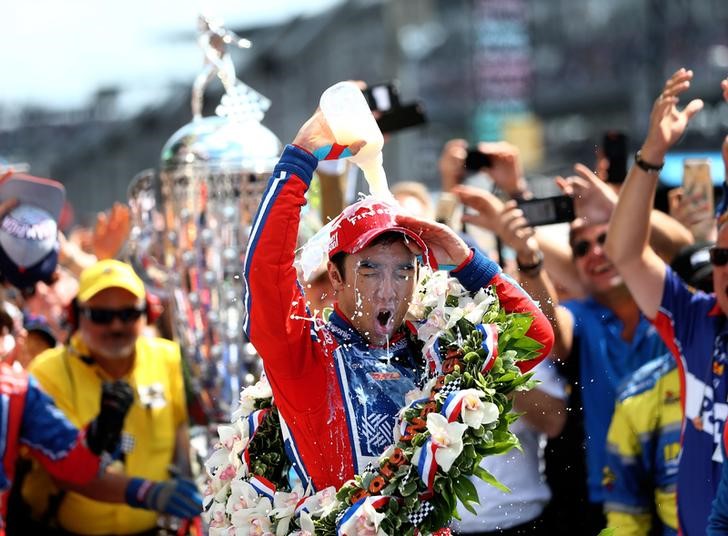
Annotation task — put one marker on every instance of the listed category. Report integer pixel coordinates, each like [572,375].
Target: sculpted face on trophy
[192,223]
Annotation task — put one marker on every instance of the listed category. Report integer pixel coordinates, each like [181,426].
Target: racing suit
[30,418]
[337,395]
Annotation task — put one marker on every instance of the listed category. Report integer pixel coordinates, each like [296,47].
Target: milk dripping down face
[376,288]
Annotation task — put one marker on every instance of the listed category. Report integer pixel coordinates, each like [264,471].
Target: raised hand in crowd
[693,211]
[506,168]
[452,163]
[594,201]
[111,231]
[629,230]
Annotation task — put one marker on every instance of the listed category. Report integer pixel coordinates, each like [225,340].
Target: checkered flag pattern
[127,442]
[369,469]
[450,387]
[419,515]
[106,460]
[406,477]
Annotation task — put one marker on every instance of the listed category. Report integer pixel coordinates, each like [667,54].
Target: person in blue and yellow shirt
[643,447]
[106,345]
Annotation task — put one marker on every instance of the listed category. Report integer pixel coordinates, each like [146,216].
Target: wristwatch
[646,166]
[531,270]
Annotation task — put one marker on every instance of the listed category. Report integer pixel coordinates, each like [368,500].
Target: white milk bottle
[350,119]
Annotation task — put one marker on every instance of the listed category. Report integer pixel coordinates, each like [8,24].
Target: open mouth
[601,268]
[384,317]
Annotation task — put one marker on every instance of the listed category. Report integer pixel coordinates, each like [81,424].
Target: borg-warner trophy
[191,227]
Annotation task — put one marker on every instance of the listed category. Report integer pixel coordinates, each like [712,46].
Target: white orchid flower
[217,517]
[322,503]
[307,527]
[222,531]
[242,497]
[365,522]
[431,328]
[475,315]
[253,521]
[249,395]
[452,315]
[474,412]
[221,489]
[284,506]
[233,440]
[417,394]
[448,437]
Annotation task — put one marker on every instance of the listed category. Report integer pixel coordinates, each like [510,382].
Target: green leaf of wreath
[466,493]
[486,476]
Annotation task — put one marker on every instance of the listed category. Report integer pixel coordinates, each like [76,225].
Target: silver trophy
[192,223]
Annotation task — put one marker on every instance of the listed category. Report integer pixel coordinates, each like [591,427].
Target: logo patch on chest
[382,376]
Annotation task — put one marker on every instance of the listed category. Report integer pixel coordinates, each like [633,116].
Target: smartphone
[614,147]
[402,117]
[548,210]
[475,160]
[697,181]
[393,115]
[446,206]
[382,97]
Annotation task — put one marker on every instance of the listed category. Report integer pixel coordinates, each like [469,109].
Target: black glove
[104,432]
[177,497]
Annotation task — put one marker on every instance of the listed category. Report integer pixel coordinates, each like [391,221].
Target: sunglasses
[582,247]
[718,256]
[102,316]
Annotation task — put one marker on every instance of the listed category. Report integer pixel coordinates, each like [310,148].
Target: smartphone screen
[382,97]
[402,117]
[614,146]
[446,206]
[548,210]
[475,160]
[697,181]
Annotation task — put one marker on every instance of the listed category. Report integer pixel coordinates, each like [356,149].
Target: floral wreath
[460,414]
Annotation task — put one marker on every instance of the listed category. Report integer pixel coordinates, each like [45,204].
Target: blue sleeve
[45,428]
[718,520]
[684,307]
[477,273]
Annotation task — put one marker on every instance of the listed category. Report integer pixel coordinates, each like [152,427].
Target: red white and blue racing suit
[337,395]
[29,417]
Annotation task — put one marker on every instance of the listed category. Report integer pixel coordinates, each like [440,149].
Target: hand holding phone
[477,160]
[697,182]
[548,210]
[502,161]
[693,204]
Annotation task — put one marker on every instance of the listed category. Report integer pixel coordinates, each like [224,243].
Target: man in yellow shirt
[106,345]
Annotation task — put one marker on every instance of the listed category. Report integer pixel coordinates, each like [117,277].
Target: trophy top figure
[240,101]
[233,139]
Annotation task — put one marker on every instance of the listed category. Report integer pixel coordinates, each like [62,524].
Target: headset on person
[152,310]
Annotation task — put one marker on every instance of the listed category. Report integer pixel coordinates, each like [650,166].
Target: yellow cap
[109,273]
